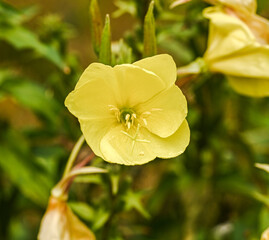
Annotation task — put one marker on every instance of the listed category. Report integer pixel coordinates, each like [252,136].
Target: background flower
[239,50]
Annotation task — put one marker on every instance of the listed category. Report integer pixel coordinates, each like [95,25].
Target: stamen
[145,121]
[127,117]
[116,111]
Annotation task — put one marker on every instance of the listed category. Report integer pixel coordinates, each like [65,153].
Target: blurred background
[212,191]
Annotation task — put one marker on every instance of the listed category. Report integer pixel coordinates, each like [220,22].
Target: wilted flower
[60,223]
[131,113]
[238,47]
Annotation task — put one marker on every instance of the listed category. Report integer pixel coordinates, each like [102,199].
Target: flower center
[127,117]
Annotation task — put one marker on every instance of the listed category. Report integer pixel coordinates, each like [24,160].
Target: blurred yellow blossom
[60,223]
[239,5]
[132,113]
[265,235]
[238,47]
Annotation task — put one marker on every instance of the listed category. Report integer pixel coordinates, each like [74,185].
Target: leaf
[133,201]
[150,45]
[21,38]
[83,210]
[105,48]
[101,217]
[33,183]
[124,7]
[258,139]
[34,97]
[96,26]
[12,16]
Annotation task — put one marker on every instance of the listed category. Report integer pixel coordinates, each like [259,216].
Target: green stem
[73,155]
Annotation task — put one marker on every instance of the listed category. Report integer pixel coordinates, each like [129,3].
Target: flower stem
[73,155]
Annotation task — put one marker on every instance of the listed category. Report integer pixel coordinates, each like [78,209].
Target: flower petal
[243,5]
[227,34]
[96,71]
[136,85]
[162,65]
[117,147]
[164,113]
[254,87]
[171,146]
[252,62]
[91,100]
[95,130]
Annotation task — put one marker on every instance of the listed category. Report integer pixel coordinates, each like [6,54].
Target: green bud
[96,26]
[105,48]
[150,46]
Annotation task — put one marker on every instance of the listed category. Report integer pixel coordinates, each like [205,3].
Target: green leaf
[150,45]
[33,184]
[101,217]
[96,26]
[105,48]
[21,38]
[34,97]
[133,201]
[124,7]
[83,210]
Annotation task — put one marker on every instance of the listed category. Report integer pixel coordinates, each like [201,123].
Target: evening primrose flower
[239,5]
[238,46]
[131,113]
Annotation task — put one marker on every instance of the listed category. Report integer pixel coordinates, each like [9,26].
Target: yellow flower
[238,46]
[60,223]
[241,5]
[131,113]
[265,235]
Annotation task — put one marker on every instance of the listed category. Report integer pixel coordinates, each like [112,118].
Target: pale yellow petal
[125,147]
[243,5]
[94,130]
[171,146]
[265,235]
[96,71]
[91,100]
[252,62]
[136,85]
[253,87]
[164,113]
[162,65]
[227,34]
